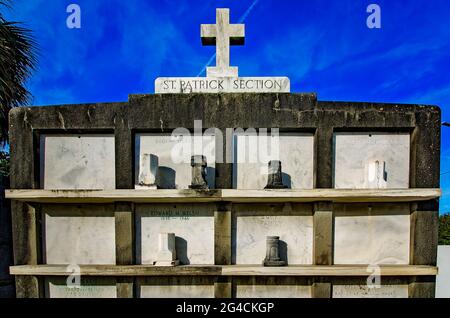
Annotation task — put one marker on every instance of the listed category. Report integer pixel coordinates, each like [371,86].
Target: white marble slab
[186,85]
[377,235]
[251,228]
[273,291]
[71,161]
[443,278]
[90,288]
[192,224]
[362,291]
[75,234]
[354,151]
[174,156]
[177,291]
[295,150]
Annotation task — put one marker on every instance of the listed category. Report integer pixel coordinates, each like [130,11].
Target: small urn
[273,252]
[274,180]
[148,171]
[167,255]
[198,164]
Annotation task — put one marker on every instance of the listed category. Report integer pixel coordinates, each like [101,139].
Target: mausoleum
[278,194]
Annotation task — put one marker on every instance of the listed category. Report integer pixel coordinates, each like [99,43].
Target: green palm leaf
[17,61]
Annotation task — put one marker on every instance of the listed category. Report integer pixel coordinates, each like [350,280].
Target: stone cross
[222,35]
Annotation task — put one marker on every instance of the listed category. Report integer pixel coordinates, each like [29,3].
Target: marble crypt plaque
[84,161]
[174,156]
[296,153]
[79,234]
[355,152]
[56,287]
[377,234]
[253,223]
[193,225]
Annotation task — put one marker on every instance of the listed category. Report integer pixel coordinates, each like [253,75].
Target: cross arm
[208,33]
[237,34]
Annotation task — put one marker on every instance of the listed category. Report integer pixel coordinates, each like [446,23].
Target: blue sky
[324,46]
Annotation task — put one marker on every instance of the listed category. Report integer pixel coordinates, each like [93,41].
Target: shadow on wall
[286,179]
[166,178]
[181,248]
[283,250]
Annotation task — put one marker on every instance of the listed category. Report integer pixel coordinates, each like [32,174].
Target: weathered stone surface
[222,35]
[79,234]
[199,168]
[193,225]
[167,254]
[354,152]
[272,287]
[90,288]
[362,291]
[273,252]
[296,152]
[177,291]
[77,161]
[274,176]
[252,224]
[176,287]
[162,113]
[372,235]
[174,155]
[148,171]
[273,291]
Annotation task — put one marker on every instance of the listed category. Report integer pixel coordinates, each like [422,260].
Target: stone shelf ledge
[117,270]
[331,270]
[227,195]
[224,270]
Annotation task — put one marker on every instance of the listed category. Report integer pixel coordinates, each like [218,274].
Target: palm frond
[5,3]
[17,62]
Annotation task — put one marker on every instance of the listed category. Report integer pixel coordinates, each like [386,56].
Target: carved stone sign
[222,85]
[222,77]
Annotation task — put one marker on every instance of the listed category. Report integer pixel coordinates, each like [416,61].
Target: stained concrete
[89,288]
[175,287]
[252,154]
[84,161]
[362,291]
[162,113]
[79,234]
[354,151]
[253,223]
[192,225]
[174,158]
[372,234]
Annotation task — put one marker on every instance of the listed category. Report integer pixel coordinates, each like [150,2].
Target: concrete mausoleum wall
[323,145]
